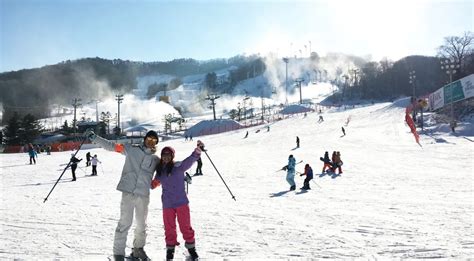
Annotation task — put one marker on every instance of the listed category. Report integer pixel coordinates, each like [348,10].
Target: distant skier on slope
[32,153]
[94,162]
[74,162]
[337,162]
[327,162]
[290,175]
[308,172]
[297,141]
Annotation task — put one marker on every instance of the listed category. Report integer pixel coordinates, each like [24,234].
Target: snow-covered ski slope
[394,200]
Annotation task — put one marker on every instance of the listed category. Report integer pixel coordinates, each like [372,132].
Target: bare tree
[457,48]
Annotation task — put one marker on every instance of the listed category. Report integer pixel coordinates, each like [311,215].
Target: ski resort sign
[453,92]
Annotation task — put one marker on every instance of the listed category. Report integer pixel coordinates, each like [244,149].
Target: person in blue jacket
[170,175]
[290,174]
[32,153]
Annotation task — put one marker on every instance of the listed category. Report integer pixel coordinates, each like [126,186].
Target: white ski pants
[130,203]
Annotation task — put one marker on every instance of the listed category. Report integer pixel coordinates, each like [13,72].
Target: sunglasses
[152,139]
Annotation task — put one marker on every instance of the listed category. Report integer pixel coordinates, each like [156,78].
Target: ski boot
[293,187]
[139,254]
[169,254]
[119,258]
[193,255]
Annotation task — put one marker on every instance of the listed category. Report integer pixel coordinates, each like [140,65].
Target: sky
[35,33]
[394,200]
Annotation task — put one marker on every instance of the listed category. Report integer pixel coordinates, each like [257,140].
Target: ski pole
[219,175]
[67,166]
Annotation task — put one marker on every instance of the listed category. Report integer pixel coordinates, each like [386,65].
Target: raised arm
[106,144]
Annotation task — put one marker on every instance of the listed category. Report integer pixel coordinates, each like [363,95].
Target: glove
[90,134]
[200,145]
[301,175]
[155,183]
[188,178]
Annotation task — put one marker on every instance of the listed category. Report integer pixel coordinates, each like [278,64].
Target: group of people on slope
[333,163]
[90,161]
[290,174]
[330,164]
[142,171]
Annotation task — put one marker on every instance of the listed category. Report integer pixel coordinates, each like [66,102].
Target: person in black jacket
[88,159]
[199,168]
[74,162]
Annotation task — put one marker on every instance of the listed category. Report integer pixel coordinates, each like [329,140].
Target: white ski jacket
[140,164]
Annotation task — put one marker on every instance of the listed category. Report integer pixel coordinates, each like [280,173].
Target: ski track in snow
[394,200]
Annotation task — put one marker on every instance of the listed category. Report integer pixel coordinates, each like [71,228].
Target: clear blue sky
[35,33]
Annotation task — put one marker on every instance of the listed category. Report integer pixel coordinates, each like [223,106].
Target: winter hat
[168,150]
[151,133]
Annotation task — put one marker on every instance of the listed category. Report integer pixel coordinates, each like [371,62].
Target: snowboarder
[246,134]
[290,175]
[321,119]
[308,172]
[74,162]
[88,159]
[94,162]
[171,176]
[297,141]
[327,161]
[343,131]
[135,184]
[199,167]
[32,153]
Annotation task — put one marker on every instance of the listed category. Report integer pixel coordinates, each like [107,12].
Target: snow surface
[394,200]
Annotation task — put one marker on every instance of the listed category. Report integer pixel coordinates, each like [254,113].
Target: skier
[246,134]
[94,165]
[88,159]
[198,168]
[74,162]
[290,175]
[171,176]
[297,141]
[327,161]
[308,172]
[32,153]
[135,184]
[343,131]
[268,128]
[320,119]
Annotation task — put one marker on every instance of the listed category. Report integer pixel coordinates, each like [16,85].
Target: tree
[65,128]
[12,129]
[30,129]
[211,81]
[457,48]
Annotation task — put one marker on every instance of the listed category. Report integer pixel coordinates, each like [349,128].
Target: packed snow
[395,199]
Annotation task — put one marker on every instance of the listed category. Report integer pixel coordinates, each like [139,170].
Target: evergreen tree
[30,129]
[12,129]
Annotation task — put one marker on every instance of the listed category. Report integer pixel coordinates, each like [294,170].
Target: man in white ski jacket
[135,184]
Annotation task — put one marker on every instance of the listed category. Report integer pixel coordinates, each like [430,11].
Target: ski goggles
[155,140]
